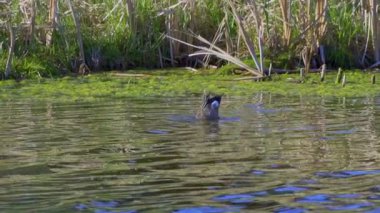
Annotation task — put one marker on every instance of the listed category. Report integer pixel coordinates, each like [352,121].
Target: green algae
[181,83]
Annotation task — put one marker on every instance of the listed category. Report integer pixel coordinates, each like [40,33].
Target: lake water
[267,154]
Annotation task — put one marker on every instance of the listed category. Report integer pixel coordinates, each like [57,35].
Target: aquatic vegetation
[180,83]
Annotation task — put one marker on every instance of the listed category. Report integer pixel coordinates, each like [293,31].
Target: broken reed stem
[344,80]
[270,70]
[218,52]
[339,76]
[302,74]
[8,66]
[323,72]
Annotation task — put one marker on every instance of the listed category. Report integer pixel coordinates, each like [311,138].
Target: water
[268,153]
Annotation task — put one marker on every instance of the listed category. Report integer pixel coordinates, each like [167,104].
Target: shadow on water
[266,154]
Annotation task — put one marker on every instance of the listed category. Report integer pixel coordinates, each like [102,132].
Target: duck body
[209,109]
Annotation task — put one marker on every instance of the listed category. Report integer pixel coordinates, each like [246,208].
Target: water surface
[268,153]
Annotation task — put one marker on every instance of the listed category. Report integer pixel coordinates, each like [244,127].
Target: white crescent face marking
[215,105]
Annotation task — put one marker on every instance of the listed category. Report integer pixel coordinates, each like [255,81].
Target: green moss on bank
[179,83]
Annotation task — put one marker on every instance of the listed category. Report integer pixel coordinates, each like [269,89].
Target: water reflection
[267,153]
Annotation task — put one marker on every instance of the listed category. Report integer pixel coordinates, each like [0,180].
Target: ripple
[158,132]
[150,154]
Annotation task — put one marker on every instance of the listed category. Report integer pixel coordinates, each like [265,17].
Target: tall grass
[123,34]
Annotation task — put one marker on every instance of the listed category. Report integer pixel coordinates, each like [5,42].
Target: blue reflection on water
[348,196]
[257,172]
[346,174]
[235,198]
[99,204]
[374,197]
[354,206]
[290,210]
[344,132]
[289,189]
[229,119]
[317,198]
[104,204]
[158,132]
[106,211]
[207,209]
[376,210]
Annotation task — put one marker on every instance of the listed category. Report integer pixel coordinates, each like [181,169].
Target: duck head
[210,107]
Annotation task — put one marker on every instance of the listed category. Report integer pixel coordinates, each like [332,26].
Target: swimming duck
[209,109]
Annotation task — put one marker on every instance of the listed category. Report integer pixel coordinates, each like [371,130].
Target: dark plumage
[209,109]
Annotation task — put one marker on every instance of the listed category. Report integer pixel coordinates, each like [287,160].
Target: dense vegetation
[169,83]
[51,37]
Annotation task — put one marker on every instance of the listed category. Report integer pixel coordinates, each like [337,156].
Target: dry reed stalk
[28,10]
[227,36]
[218,35]
[286,17]
[131,14]
[339,76]
[218,52]
[375,26]
[172,27]
[307,28]
[160,58]
[323,72]
[367,40]
[7,17]
[344,80]
[168,27]
[52,21]
[83,68]
[320,16]
[8,66]
[259,30]
[312,30]
[191,8]
[246,38]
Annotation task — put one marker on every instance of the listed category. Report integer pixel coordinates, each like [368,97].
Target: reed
[323,72]
[285,6]
[108,35]
[339,76]
[344,80]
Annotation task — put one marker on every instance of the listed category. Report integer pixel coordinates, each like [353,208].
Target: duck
[209,110]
